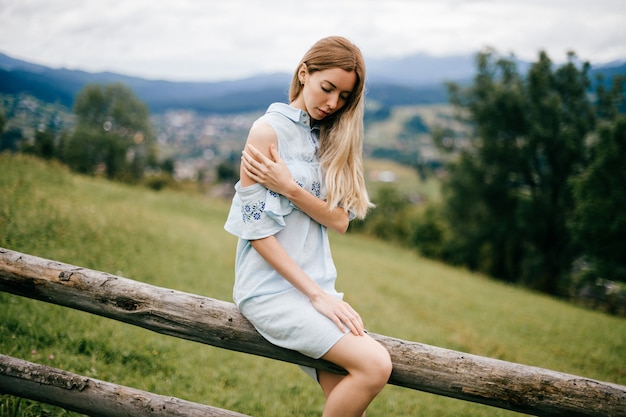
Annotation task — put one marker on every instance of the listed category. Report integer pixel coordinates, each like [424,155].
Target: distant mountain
[609,71]
[416,79]
[420,70]
[385,84]
[61,85]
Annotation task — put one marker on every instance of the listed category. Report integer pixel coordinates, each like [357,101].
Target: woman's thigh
[356,353]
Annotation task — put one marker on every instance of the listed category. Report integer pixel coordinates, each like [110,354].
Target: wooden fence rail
[91,396]
[497,383]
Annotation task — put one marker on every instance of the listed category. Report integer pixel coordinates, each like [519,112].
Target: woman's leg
[369,367]
[328,381]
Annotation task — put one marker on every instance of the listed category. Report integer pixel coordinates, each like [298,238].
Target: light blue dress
[280,313]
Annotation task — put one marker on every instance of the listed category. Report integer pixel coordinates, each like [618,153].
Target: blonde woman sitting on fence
[301,174]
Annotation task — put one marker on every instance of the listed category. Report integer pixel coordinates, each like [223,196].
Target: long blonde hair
[341,135]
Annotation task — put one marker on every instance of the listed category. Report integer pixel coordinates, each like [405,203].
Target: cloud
[188,39]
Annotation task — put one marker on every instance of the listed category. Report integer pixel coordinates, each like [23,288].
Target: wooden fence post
[497,383]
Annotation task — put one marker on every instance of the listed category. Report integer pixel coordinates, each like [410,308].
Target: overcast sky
[226,39]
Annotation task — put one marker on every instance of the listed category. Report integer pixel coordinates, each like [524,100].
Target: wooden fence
[497,383]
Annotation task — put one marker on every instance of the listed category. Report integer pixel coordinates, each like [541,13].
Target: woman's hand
[271,172]
[340,312]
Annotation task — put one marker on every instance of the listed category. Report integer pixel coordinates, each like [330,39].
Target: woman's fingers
[253,166]
[341,313]
[357,324]
[258,156]
[271,172]
[250,160]
[352,320]
[274,154]
[255,161]
[248,168]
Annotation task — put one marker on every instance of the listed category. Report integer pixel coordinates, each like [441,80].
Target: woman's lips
[323,113]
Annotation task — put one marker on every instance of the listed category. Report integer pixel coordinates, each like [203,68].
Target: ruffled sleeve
[256,212]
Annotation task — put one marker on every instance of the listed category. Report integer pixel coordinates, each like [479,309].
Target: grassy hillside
[176,240]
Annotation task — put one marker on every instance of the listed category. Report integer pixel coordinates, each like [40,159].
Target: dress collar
[297,115]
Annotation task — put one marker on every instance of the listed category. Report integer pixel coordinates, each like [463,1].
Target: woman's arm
[273,173]
[340,312]
[261,138]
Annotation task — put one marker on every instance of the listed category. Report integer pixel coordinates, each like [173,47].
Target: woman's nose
[332,101]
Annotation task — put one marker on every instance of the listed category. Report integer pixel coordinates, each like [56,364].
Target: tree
[10,140]
[599,223]
[227,172]
[2,121]
[389,219]
[507,198]
[113,133]
[43,145]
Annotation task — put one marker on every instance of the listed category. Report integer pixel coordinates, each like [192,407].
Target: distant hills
[416,79]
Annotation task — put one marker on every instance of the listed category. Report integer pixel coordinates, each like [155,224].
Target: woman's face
[324,92]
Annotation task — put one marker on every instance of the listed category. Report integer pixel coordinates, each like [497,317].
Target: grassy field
[176,240]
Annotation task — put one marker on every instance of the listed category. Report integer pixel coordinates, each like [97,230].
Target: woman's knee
[380,365]
[364,357]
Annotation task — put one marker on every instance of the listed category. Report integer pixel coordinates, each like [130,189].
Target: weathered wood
[497,383]
[91,396]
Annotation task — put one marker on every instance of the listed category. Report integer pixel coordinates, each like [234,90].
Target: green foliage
[177,241]
[227,172]
[611,101]
[387,220]
[599,221]
[9,140]
[429,234]
[508,199]
[416,125]
[33,126]
[18,407]
[113,135]
[396,219]
[44,145]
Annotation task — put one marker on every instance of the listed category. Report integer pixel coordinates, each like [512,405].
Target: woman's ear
[302,73]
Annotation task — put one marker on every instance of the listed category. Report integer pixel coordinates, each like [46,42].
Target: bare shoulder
[262,135]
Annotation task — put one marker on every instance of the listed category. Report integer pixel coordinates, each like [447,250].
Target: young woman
[301,174]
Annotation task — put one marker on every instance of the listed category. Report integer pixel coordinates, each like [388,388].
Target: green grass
[176,240]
